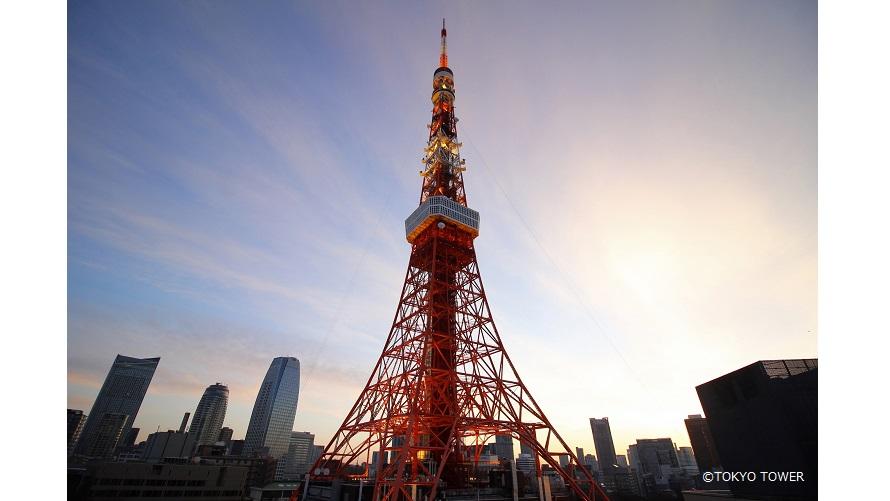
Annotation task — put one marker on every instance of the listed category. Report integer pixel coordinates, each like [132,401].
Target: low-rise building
[163,481]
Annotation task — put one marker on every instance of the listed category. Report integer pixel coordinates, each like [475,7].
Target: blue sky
[238,179]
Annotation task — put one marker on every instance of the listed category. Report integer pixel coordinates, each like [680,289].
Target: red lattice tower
[444,385]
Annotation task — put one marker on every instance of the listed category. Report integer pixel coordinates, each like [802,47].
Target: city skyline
[664,260]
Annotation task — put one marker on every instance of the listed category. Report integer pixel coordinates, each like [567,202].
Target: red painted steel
[444,384]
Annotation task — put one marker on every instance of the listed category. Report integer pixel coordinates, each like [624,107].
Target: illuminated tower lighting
[444,386]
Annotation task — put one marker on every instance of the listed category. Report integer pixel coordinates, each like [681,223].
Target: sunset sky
[239,175]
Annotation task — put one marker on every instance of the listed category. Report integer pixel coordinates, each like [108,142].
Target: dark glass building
[121,394]
[107,435]
[76,419]
[763,417]
[602,442]
[272,419]
[706,457]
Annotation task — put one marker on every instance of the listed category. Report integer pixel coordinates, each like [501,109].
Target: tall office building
[121,394]
[317,451]
[687,460]
[579,453]
[622,460]
[702,443]
[525,448]
[128,441]
[225,435]
[76,419]
[185,422]
[503,447]
[210,414]
[763,417]
[602,442]
[525,463]
[657,461]
[273,414]
[295,463]
[106,435]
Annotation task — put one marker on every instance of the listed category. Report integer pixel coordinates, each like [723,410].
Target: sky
[238,178]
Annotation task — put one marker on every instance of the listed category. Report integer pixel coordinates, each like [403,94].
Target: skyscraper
[503,447]
[225,434]
[76,419]
[121,394]
[702,443]
[185,422]
[763,417]
[273,412]
[525,448]
[210,414]
[106,435]
[602,441]
[128,441]
[687,460]
[658,461]
[295,463]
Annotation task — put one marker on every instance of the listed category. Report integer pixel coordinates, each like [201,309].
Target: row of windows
[442,206]
[158,493]
[151,481]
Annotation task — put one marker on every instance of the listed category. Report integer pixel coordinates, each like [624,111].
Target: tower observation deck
[444,385]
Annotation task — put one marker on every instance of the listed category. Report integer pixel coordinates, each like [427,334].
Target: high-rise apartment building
[210,414]
[76,419]
[272,419]
[602,441]
[121,395]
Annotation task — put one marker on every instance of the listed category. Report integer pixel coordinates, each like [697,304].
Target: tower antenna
[443,56]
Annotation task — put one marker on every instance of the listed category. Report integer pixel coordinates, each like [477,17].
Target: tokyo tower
[444,386]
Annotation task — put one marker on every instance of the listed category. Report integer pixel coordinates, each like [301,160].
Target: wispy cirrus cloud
[238,180]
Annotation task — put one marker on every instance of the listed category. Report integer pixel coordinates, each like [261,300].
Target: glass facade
[273,414]
[121,394]
[210,414]
[296,461]
[76,419]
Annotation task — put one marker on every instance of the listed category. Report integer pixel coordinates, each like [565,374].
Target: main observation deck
[437,208]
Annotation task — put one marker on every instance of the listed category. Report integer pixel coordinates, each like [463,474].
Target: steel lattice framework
[444,384]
